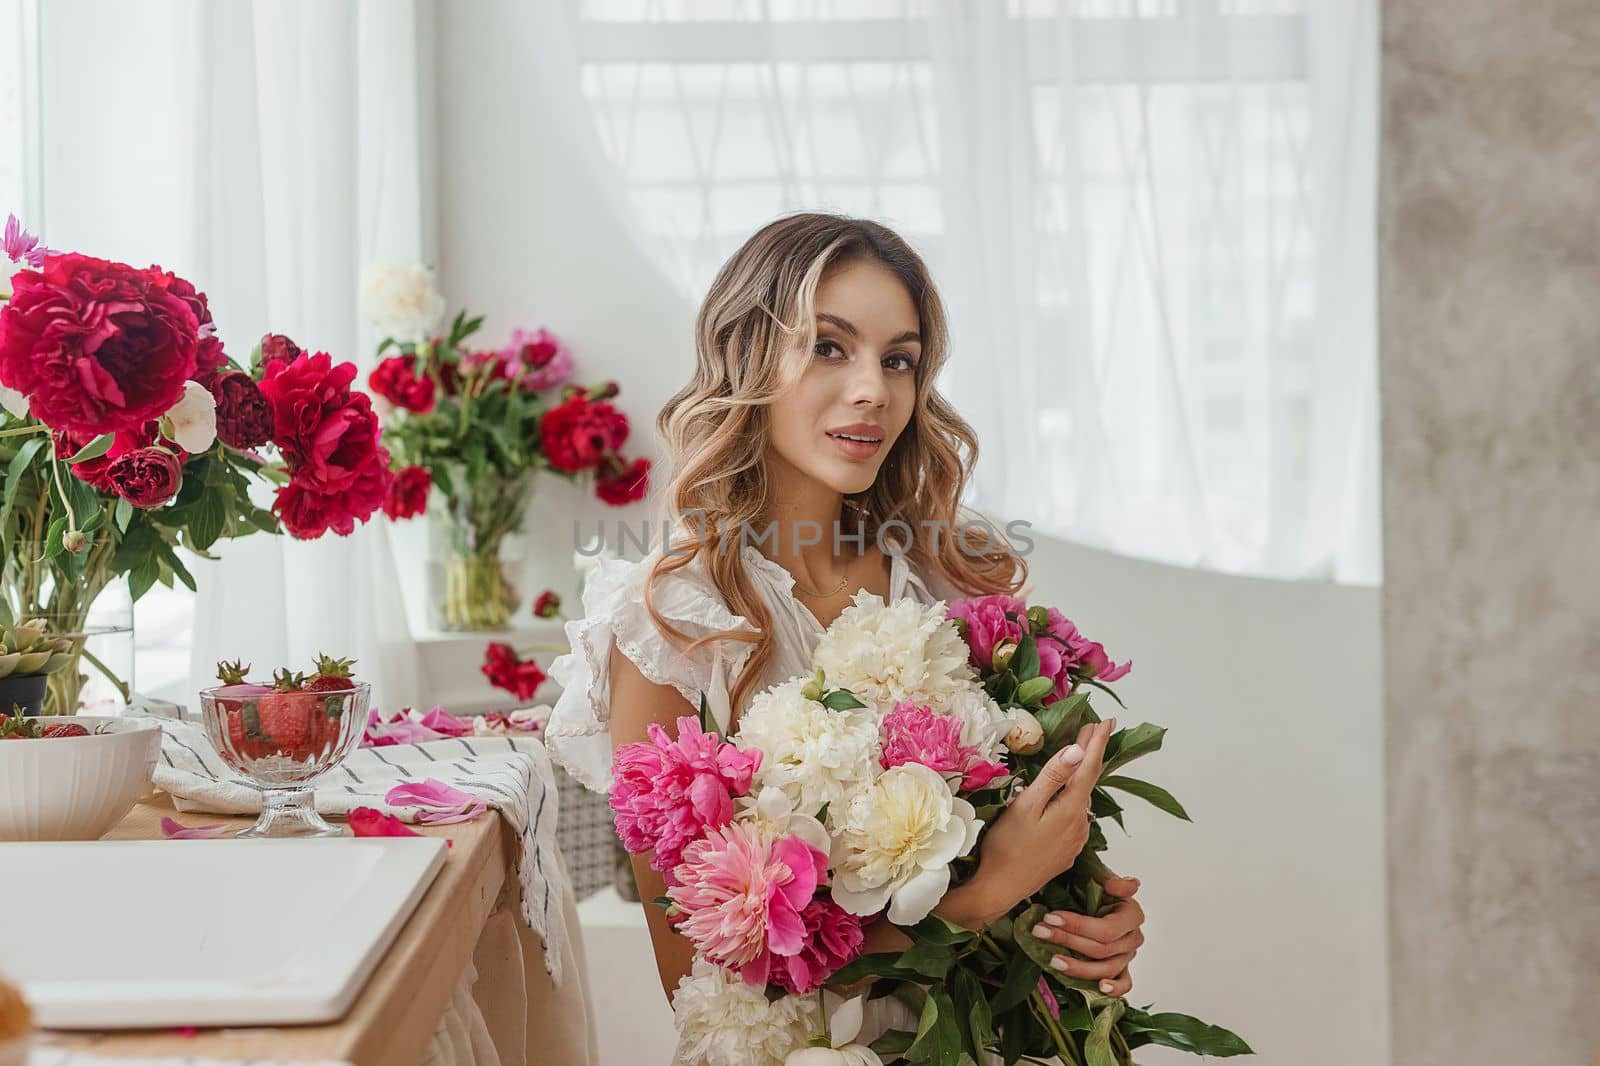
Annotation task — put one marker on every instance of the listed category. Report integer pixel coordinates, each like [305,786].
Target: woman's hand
[1038,837]
[1107,943]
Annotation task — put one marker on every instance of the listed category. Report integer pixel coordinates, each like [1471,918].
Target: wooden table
[395,1014]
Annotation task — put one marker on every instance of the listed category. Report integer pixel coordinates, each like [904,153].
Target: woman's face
[861,382]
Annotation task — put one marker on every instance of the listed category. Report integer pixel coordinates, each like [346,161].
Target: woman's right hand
[1038,837]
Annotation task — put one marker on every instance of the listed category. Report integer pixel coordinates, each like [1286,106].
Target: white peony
[14,402]
[844,1025]
[983,724]
[774,810]
[813,754]
[194,418]
[399,298]
[722,1021]
[893,843]
[885,653]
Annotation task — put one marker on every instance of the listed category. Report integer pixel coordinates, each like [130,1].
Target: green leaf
[936,930]
[1153,794]
[1025,662]
[1033,690]
[708,723]
[822,814]
[124,514]
[929,959]
[1131,744]
[1021,975]
[1101,805]
[893,1042]
[921,1048]
[1185,1034]
[143,576]
[1104,688]
[94,449]
[52,539]
[208,519]
[980,1022]
[15,475]
[878,964]
[1062,719]
[1097,1049]
[841,700]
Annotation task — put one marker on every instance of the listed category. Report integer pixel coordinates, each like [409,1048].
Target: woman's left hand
[1107,944]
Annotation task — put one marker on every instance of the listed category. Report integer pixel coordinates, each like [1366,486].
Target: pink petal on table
[442,721]
[370,822]
[176,830]
[426,817]
[439,803]
[398,728]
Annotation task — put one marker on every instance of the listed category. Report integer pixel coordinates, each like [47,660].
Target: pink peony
[666,792]
[913,734]
[1068,656]
[833,937]
[543,361]
[740,892]
[990,620]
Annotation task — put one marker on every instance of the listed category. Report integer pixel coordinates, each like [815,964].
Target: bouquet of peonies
[863,791]
[480,424]
[129,432]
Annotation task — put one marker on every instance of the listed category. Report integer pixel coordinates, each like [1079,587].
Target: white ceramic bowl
[76,788]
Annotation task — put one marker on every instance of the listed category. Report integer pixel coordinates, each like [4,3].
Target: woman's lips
[856,449]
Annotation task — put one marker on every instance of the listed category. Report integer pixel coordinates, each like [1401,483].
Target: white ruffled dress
[578,732]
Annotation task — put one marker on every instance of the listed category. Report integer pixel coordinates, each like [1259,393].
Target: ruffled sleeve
[578,733]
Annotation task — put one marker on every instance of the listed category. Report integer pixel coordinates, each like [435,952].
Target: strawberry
[16,727]
[232,674]
[283,714]
[333,675]
[66,729]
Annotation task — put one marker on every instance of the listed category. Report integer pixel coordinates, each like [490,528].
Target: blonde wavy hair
[754,337]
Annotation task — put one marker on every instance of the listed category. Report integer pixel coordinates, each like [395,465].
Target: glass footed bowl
[281,742]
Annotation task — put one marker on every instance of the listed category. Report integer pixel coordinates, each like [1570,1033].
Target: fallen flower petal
[371,822]
[437,802]
[173,829]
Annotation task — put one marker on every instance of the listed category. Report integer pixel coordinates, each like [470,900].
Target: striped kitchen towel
[512,774]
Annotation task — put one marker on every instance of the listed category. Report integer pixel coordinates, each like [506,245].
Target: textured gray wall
[1490,319]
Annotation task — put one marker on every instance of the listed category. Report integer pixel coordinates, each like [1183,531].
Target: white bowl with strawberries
[281,736]
[73,777]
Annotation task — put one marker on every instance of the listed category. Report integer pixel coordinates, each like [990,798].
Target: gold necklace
[837,589]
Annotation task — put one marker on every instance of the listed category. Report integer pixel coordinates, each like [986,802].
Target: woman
[811,425]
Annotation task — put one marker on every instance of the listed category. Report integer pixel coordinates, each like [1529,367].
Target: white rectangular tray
[130,934]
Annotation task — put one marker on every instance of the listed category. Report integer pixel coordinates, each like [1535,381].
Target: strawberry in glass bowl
[282,736]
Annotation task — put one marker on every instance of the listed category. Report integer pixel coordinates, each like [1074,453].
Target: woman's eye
[823,347]
[907,364]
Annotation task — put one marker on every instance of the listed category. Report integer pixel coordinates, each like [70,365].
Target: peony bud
[74,541]
[1026,735]
[1038,621]
[1003,651]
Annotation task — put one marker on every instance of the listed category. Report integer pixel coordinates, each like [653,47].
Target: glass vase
[78,597]
[478,554]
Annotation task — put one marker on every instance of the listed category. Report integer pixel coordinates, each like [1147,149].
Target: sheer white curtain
[264,150]
[1152,220]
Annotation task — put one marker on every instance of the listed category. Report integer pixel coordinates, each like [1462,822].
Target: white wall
[1267,914]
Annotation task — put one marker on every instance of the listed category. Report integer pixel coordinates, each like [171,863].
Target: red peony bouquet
[129,432]
[479,424]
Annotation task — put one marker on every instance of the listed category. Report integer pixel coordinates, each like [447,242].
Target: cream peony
[813,754]
[722,1021]
[399,298]
[888,652]
[194,418]
[844,1025]
[893,843]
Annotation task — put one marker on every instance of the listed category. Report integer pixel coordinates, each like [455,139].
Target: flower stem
[55,471]
[121,685]
[24,431]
